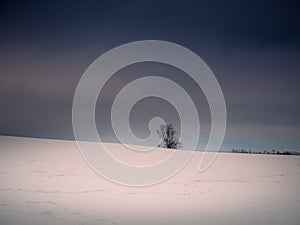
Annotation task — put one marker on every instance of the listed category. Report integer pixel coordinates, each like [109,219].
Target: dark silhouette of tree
[169,137]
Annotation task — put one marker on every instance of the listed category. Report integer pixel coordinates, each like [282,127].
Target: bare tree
[169,138]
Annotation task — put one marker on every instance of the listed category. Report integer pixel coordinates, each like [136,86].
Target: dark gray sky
[253,47]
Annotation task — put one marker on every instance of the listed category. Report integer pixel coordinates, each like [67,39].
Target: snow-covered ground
[48,182]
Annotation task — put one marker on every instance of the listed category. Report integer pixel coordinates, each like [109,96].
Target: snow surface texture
[47,182]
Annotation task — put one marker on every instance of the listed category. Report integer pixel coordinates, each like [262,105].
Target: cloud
[253,49]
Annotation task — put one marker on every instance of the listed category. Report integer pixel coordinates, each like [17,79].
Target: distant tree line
[272,152]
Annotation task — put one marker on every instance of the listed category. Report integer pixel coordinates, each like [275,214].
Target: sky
[253,48]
